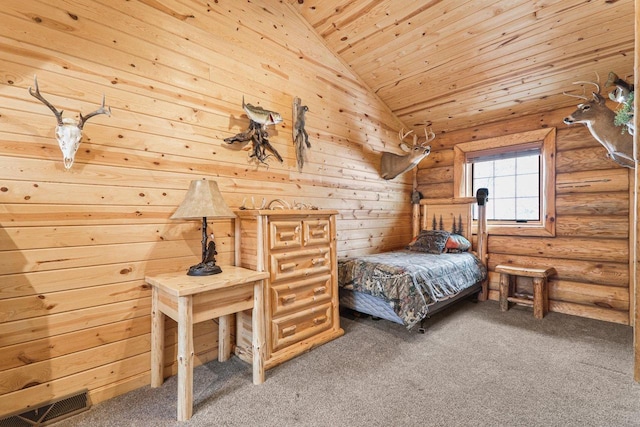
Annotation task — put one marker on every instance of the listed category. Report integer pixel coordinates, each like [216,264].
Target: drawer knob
[320,290]
[289,331]
[318,233]
[287,266]
[319,320]
[288,299]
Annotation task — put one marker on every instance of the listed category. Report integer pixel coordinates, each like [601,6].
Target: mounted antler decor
[392,165]
[259,119]
[600,120]
[300,136]
[68,131]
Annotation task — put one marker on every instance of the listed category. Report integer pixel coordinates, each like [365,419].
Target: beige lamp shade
[203,200]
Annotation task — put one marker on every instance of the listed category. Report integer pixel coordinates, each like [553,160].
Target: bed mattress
[406,283]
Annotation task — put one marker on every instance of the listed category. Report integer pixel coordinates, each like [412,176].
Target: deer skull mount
[68,131]
[599,119]
[392,165]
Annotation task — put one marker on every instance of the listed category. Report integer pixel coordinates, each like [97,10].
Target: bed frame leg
[421,328]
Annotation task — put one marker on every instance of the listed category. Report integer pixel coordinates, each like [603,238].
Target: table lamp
[203,200]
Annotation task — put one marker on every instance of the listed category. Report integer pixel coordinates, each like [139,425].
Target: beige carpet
[475,366]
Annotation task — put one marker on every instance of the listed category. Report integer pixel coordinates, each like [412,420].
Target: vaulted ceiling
[456,64]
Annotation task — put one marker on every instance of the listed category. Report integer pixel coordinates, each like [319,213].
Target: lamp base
[204,269]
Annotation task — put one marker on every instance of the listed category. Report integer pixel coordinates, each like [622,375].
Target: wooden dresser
[298,250]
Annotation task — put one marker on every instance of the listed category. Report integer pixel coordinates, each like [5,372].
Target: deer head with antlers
[600,119]
[68,131]
[392,165]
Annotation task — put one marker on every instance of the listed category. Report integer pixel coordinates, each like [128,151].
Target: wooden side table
[508,274]
[192,299]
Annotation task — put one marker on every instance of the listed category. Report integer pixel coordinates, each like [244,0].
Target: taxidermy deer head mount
[68,131]
[622,91]
[600,120]
[392,165]
[623,94]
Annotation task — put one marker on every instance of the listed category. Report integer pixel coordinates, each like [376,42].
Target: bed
[438,268]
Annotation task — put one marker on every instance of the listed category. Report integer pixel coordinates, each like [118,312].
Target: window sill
[536,229]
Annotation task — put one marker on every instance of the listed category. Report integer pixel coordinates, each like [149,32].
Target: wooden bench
[508,277]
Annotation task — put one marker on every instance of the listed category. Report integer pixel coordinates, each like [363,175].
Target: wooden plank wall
[593,197]
[75,245]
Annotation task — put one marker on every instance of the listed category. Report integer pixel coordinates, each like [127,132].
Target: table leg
[185,358]
[224,338]
[259,333]
[157,340]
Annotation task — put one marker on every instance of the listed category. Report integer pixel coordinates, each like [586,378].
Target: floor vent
[49,412]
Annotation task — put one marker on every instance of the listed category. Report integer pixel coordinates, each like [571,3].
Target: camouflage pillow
[457,243]
[430,241]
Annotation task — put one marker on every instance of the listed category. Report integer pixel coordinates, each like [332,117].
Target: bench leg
[539,294]
[504,291]
[545,297]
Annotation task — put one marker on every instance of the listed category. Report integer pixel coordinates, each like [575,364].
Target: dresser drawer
[295,327]
[285,234]
[316,232]
[296,295]
[300,263]
[297,247]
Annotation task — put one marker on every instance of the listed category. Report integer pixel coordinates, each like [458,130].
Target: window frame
[545,139]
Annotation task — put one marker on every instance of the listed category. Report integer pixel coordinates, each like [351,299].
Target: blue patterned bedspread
[410,280]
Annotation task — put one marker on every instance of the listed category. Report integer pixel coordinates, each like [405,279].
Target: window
[514,180]
[519,171]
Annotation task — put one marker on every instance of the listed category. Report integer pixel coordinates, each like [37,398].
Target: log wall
[593,197]
[76,245]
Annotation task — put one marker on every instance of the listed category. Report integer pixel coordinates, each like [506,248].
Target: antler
[430,135]
[36,94]
[100,110]
[597,85]
[402,135]
[583,96]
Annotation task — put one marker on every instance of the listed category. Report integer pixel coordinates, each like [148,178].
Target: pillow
[457,243]
[430,241]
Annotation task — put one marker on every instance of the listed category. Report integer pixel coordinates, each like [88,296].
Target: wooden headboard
[454,215]
[458,211]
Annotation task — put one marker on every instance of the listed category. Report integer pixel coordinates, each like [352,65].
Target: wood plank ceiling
[455,64]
